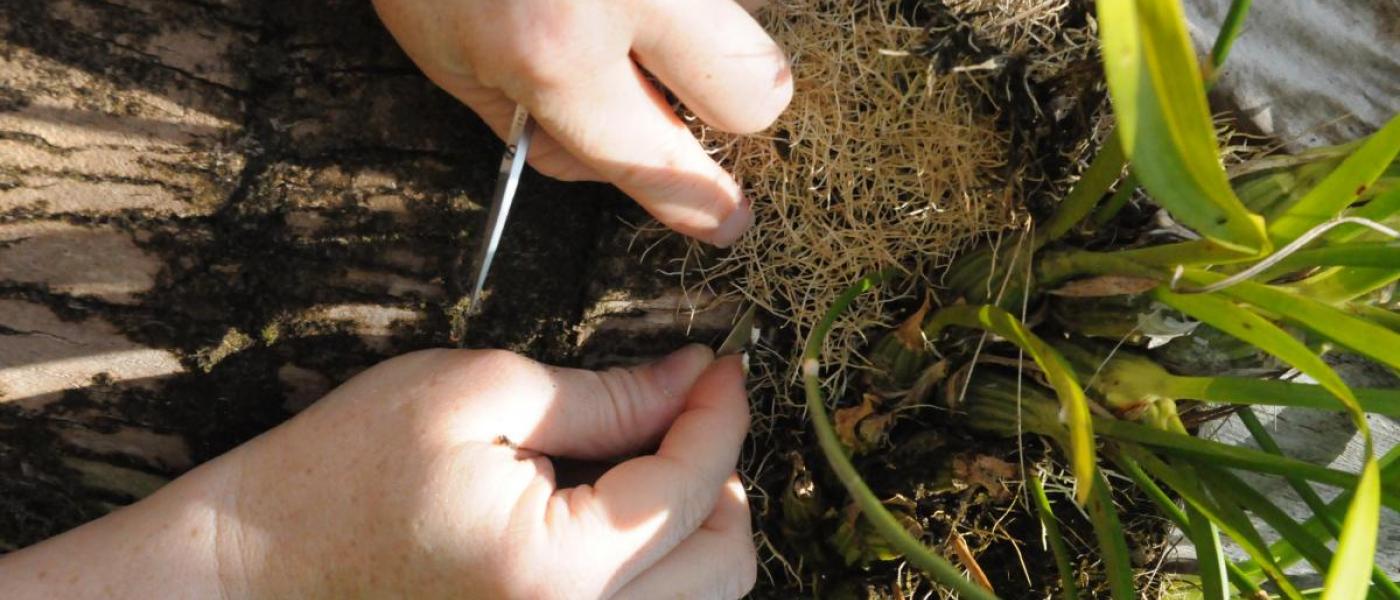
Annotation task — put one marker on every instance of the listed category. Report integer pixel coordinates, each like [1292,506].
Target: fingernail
[735,224]
[679,370]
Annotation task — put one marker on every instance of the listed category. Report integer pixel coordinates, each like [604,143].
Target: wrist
[178,542]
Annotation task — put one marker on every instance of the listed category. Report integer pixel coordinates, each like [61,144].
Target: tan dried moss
[879,161]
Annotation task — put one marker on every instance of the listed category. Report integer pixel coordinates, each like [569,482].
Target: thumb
[604,414]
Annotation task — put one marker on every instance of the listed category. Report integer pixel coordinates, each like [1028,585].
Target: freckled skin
[391,486]
[577,66]
[397,484]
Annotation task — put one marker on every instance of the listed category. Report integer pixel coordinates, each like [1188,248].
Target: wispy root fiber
[893,152]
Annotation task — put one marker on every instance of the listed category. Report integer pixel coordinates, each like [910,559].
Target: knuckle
[544,67]
[498,361]
[546,56]
[626,394]
[487,367]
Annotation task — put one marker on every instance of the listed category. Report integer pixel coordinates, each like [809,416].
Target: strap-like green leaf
[1248,391]
[1229,30]
[1210,555]
[1349,577]
[1112,545]
[1194,448]
[1322,513]
[1340,188]
[1379,209]
[1356,549]
[1228,487]
[1068,589]
[1390,475]
[1359,335]
[1073,405]
[1381,255]
[1340,285]
[1186,488]
[1243,581]
[1250,327]
[1164,122]
[1092,185]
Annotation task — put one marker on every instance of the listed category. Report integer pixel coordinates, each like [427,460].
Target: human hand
[426,476]
[574,65]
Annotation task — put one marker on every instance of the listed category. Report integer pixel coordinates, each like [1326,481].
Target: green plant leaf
[1073,405]
[1388,319]
[1379,209]
[1229,30]
[1112,545]
[1360,336]
[1341,188]
[1322,513]
[885,523]
[1210,555]
[1068,589]
[1164,122]
[1189,492]
[1228,487]
[1382,255]
[1266,442]
[1242,581]
[1348,578]
[1080,201]
[1341,285]
[1358,544]
[1194,448]
[1254,329]
[1390,476]
[1247,391]
[1192,252]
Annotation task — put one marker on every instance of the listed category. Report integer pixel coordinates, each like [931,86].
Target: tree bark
[213,211]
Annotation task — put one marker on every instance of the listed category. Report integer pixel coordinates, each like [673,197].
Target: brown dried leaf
[846,420]
[911,332]
[987,472]
[872,430]
[861,428]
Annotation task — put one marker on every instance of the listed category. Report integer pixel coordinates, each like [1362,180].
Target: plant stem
[875,512]
[1056,267]
[1229,31]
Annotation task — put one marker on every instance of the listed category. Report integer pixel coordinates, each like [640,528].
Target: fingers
[642,509]
[717,561]
[621,127]
[728,70]
[596,415]
[545,155]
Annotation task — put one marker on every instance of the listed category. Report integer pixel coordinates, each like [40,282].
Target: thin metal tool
[741,336]
[512,165]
